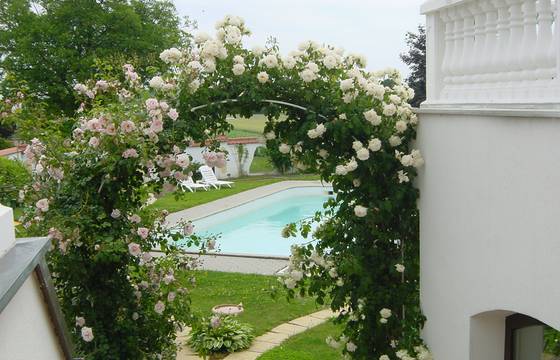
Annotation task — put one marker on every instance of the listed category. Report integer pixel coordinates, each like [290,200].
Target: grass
[262,311]
[187,200]
[261,164]
[309,345]
[255,124]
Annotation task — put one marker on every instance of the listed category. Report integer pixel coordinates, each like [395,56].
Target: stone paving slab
[274,338]
[289,329]
[243,355]
[323,314]
[307,321]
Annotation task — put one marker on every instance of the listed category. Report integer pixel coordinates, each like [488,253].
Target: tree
[415,58]
[47,46]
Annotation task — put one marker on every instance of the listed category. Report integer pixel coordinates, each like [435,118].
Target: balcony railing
[492,51]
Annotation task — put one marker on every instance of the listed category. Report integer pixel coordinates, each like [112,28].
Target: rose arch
[325,113]
[355,128]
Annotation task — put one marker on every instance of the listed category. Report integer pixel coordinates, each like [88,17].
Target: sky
[374,28]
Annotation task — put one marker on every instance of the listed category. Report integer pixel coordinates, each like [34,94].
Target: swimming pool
[255,228]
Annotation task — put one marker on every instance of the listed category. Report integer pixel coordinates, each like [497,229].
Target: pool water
[255,228]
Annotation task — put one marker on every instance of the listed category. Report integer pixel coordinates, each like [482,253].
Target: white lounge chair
[209,178]
[190,185]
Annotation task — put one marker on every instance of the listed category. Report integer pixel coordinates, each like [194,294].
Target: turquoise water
[255,228]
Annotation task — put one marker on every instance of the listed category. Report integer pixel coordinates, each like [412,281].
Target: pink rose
[127,126]
[80,321]
[116,213]
[130,153]
[43,205]
[188,229]
[171,296]
[134,249]
[87,334]
[94,142]
[143,232]
[173,114]
[159,307]
[152,104]
[135,219]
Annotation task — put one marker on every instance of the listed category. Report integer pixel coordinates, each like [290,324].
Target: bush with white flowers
[328,115]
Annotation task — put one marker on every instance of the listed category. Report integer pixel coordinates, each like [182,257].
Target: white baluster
[491,38]
[543,60]
[477,57]
[499,60]
[448,36]
[457,52]
[468,41]
[529,40]
[516,35]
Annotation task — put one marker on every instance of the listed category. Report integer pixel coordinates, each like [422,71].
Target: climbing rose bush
[355,128]
[326,114]
[90,194]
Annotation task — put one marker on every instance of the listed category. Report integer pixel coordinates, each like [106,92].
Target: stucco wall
[25,326]
[232,169]
[489,227]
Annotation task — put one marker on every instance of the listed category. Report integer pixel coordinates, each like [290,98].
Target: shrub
[5,143]
[13,177]
[220,335]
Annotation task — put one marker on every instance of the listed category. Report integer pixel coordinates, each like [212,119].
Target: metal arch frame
[266,101]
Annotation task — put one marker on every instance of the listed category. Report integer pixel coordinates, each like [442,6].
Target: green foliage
[5,143]
[551,341]
[219,335]
[14,176]
[415,58]
[48,46]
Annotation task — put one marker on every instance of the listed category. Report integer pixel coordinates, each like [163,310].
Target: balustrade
[492,51]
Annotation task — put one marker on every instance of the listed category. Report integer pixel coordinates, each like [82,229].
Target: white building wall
[26,331]
[489,228]
[232,169]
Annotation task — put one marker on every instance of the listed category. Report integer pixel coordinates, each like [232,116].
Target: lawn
[253,125]
[309,345]
[261,164]
[262,311]
[188,199]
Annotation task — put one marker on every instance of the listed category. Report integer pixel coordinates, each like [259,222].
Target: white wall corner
[7,230]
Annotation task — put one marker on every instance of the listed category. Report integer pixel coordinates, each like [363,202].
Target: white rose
[172,55]
[395,141]
[238,69]
[307,75]
[360,211]
[330,61]
[375,90]
[321,129]
[262,77]
[341,170]
[356,182]
[402,176]
[332,273]
[385,313]
[357,145]
[351,165]
[312,134]
[238,59]
[289,62]
[323,153]
[374,144]
[395,99]
[271,61]
[372,117]
[270,135]
[389,109]
[284,148]
[400,126]
[87,334]
[351,347]
[183,160]
[201,37]
[209,66]
[362,154]
[407,160]
[347,84]
[313,67]
[399,267]
[384,357]
[156,82]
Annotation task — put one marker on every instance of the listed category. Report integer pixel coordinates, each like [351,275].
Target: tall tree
[47,46]
[415,58]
